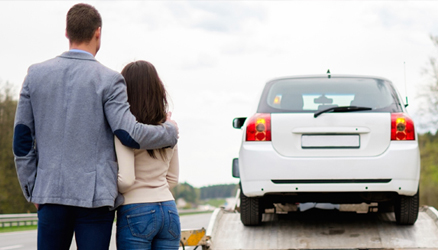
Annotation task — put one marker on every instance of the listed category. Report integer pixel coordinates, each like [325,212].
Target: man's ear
[66,34]
[97,33]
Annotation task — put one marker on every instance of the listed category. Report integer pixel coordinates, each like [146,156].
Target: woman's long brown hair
[146,95]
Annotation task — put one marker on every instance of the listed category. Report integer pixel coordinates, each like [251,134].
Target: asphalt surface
[18,240]
[27,240]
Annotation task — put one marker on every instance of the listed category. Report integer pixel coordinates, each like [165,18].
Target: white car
[340,139]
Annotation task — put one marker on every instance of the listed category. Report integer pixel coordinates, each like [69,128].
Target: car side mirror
[238,122]
[236,173]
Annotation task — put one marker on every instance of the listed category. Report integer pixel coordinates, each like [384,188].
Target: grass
[214,202]
[200,212]
[17,228]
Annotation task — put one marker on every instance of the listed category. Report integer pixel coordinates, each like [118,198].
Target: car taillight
[259,128]
[402,127]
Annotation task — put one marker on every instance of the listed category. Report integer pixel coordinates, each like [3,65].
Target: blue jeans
[57,223]
[148,226]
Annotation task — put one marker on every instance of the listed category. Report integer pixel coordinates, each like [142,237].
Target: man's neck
[85,47]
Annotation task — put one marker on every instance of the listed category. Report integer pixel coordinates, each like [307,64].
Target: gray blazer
[69,109]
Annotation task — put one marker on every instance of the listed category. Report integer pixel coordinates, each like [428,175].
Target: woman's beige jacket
[142,178]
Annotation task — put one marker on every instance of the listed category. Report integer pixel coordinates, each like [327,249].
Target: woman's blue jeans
[148,226]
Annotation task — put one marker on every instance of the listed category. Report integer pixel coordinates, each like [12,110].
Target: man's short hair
[82,21]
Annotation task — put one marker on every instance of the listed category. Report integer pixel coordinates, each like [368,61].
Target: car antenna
[406,88]
[328,73]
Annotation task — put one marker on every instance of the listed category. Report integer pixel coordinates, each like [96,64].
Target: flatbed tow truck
[318,229]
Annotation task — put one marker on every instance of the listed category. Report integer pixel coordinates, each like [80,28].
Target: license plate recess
[330,141]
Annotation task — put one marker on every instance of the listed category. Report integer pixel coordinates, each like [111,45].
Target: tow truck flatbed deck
[323,229]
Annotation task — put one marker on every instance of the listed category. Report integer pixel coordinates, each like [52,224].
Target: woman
[148,218]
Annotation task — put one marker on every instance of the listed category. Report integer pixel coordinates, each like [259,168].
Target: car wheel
[250,210]
[406,209]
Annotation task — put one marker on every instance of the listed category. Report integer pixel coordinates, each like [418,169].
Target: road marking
[11,247]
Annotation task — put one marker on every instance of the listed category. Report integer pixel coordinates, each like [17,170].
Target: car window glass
[313,94]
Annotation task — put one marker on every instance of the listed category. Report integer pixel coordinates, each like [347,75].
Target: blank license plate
[330,141]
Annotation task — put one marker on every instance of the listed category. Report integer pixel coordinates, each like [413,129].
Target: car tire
[250,210]
[406,209]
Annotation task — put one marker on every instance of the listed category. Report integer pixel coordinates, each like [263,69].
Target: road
[18,240]
[26,240]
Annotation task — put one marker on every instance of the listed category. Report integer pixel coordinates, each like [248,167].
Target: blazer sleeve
[126,161]
[173,172]
[24,147]
[124,125]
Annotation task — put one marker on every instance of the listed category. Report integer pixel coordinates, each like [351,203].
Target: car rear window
[313,94]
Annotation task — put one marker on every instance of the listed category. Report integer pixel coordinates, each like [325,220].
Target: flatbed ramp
[323,229]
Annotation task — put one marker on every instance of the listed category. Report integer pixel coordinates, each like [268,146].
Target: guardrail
[189,211]
[9,220]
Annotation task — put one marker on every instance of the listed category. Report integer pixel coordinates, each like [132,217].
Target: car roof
[331,76]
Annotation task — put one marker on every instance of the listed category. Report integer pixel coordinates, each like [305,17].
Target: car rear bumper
[264,171]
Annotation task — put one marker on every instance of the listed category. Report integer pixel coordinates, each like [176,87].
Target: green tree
[187,192]
[428,100]
[11,196]
[428,93]
[219,191]
[429,169]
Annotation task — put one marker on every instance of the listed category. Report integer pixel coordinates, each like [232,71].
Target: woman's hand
[169,119]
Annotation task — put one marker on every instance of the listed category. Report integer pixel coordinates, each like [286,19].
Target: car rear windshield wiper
[341,109]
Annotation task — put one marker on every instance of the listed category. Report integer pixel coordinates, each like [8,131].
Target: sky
[214,57]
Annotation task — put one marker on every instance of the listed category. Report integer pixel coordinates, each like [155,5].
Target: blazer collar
[77,55]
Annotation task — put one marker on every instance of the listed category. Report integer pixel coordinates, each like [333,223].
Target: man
[69,109]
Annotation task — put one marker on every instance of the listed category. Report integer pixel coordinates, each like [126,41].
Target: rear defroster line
[331,181]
